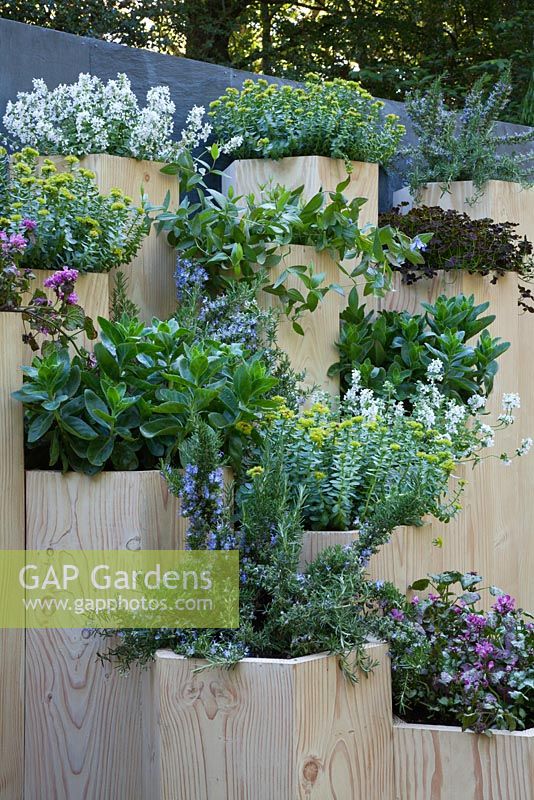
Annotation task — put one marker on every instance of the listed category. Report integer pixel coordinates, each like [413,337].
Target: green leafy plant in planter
[77,226]
[92,117]
[139,397]
[462,145]
[393,350]
[234,237]
[331,605]
[335,118]
[283,613]
[454,663]
[235,316]
[372,466]
[476,246]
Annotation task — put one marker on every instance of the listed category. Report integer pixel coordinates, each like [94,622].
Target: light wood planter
[435,762]
[11,538]
[314,352]
[83,725]
[314,542]
[286,729]
[151,274]
[93,296]
[493,533]
[313,172]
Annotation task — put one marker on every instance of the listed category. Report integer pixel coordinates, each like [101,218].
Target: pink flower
[71,299]
[397,615]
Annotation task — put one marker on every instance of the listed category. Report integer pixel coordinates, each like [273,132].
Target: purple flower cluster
[190,277]
[202,504]
[62,282]
[229,325]
[12,244]
[453,663]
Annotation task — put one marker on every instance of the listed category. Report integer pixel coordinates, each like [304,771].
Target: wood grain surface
[313,172]
[290,730]
[150,275]
[83,721]
[493,532]
[314,352]
[11,538]
[314,542]
[434,762]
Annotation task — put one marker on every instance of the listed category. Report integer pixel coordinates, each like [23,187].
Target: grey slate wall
[28,52]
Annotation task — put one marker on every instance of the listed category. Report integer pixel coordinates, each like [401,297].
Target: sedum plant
[478,246]
[371,465]
[463,145]
[395,348]
[336,118]
[77,227]
[90,116]
[454,663]
[139,397]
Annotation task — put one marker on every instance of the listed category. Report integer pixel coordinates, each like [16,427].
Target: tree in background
[390,45]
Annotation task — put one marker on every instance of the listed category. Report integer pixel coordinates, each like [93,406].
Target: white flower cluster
[509,402]
[434,370]
[476,402]
[90,116]
[525,446]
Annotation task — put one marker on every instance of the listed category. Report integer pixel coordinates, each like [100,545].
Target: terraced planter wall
[270,728]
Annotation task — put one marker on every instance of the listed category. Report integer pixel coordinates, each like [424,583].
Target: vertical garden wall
[162,427]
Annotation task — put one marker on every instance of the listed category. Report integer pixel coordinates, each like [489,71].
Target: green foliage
[463,146]
[478,246]
[77,226]
[454,663]
[393,349]
[283,613]
[335,118]
[140,398]
[356,461]
[235,316]
[120,305]
[232,236]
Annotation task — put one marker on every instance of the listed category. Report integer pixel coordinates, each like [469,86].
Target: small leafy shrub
[335,118]
[77,227]
[234,316]
[283,613]
[455,664]
[372,466]
[90,116]
[396,348]
[478,246]
[462,146]
[232,237]
[139,398]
